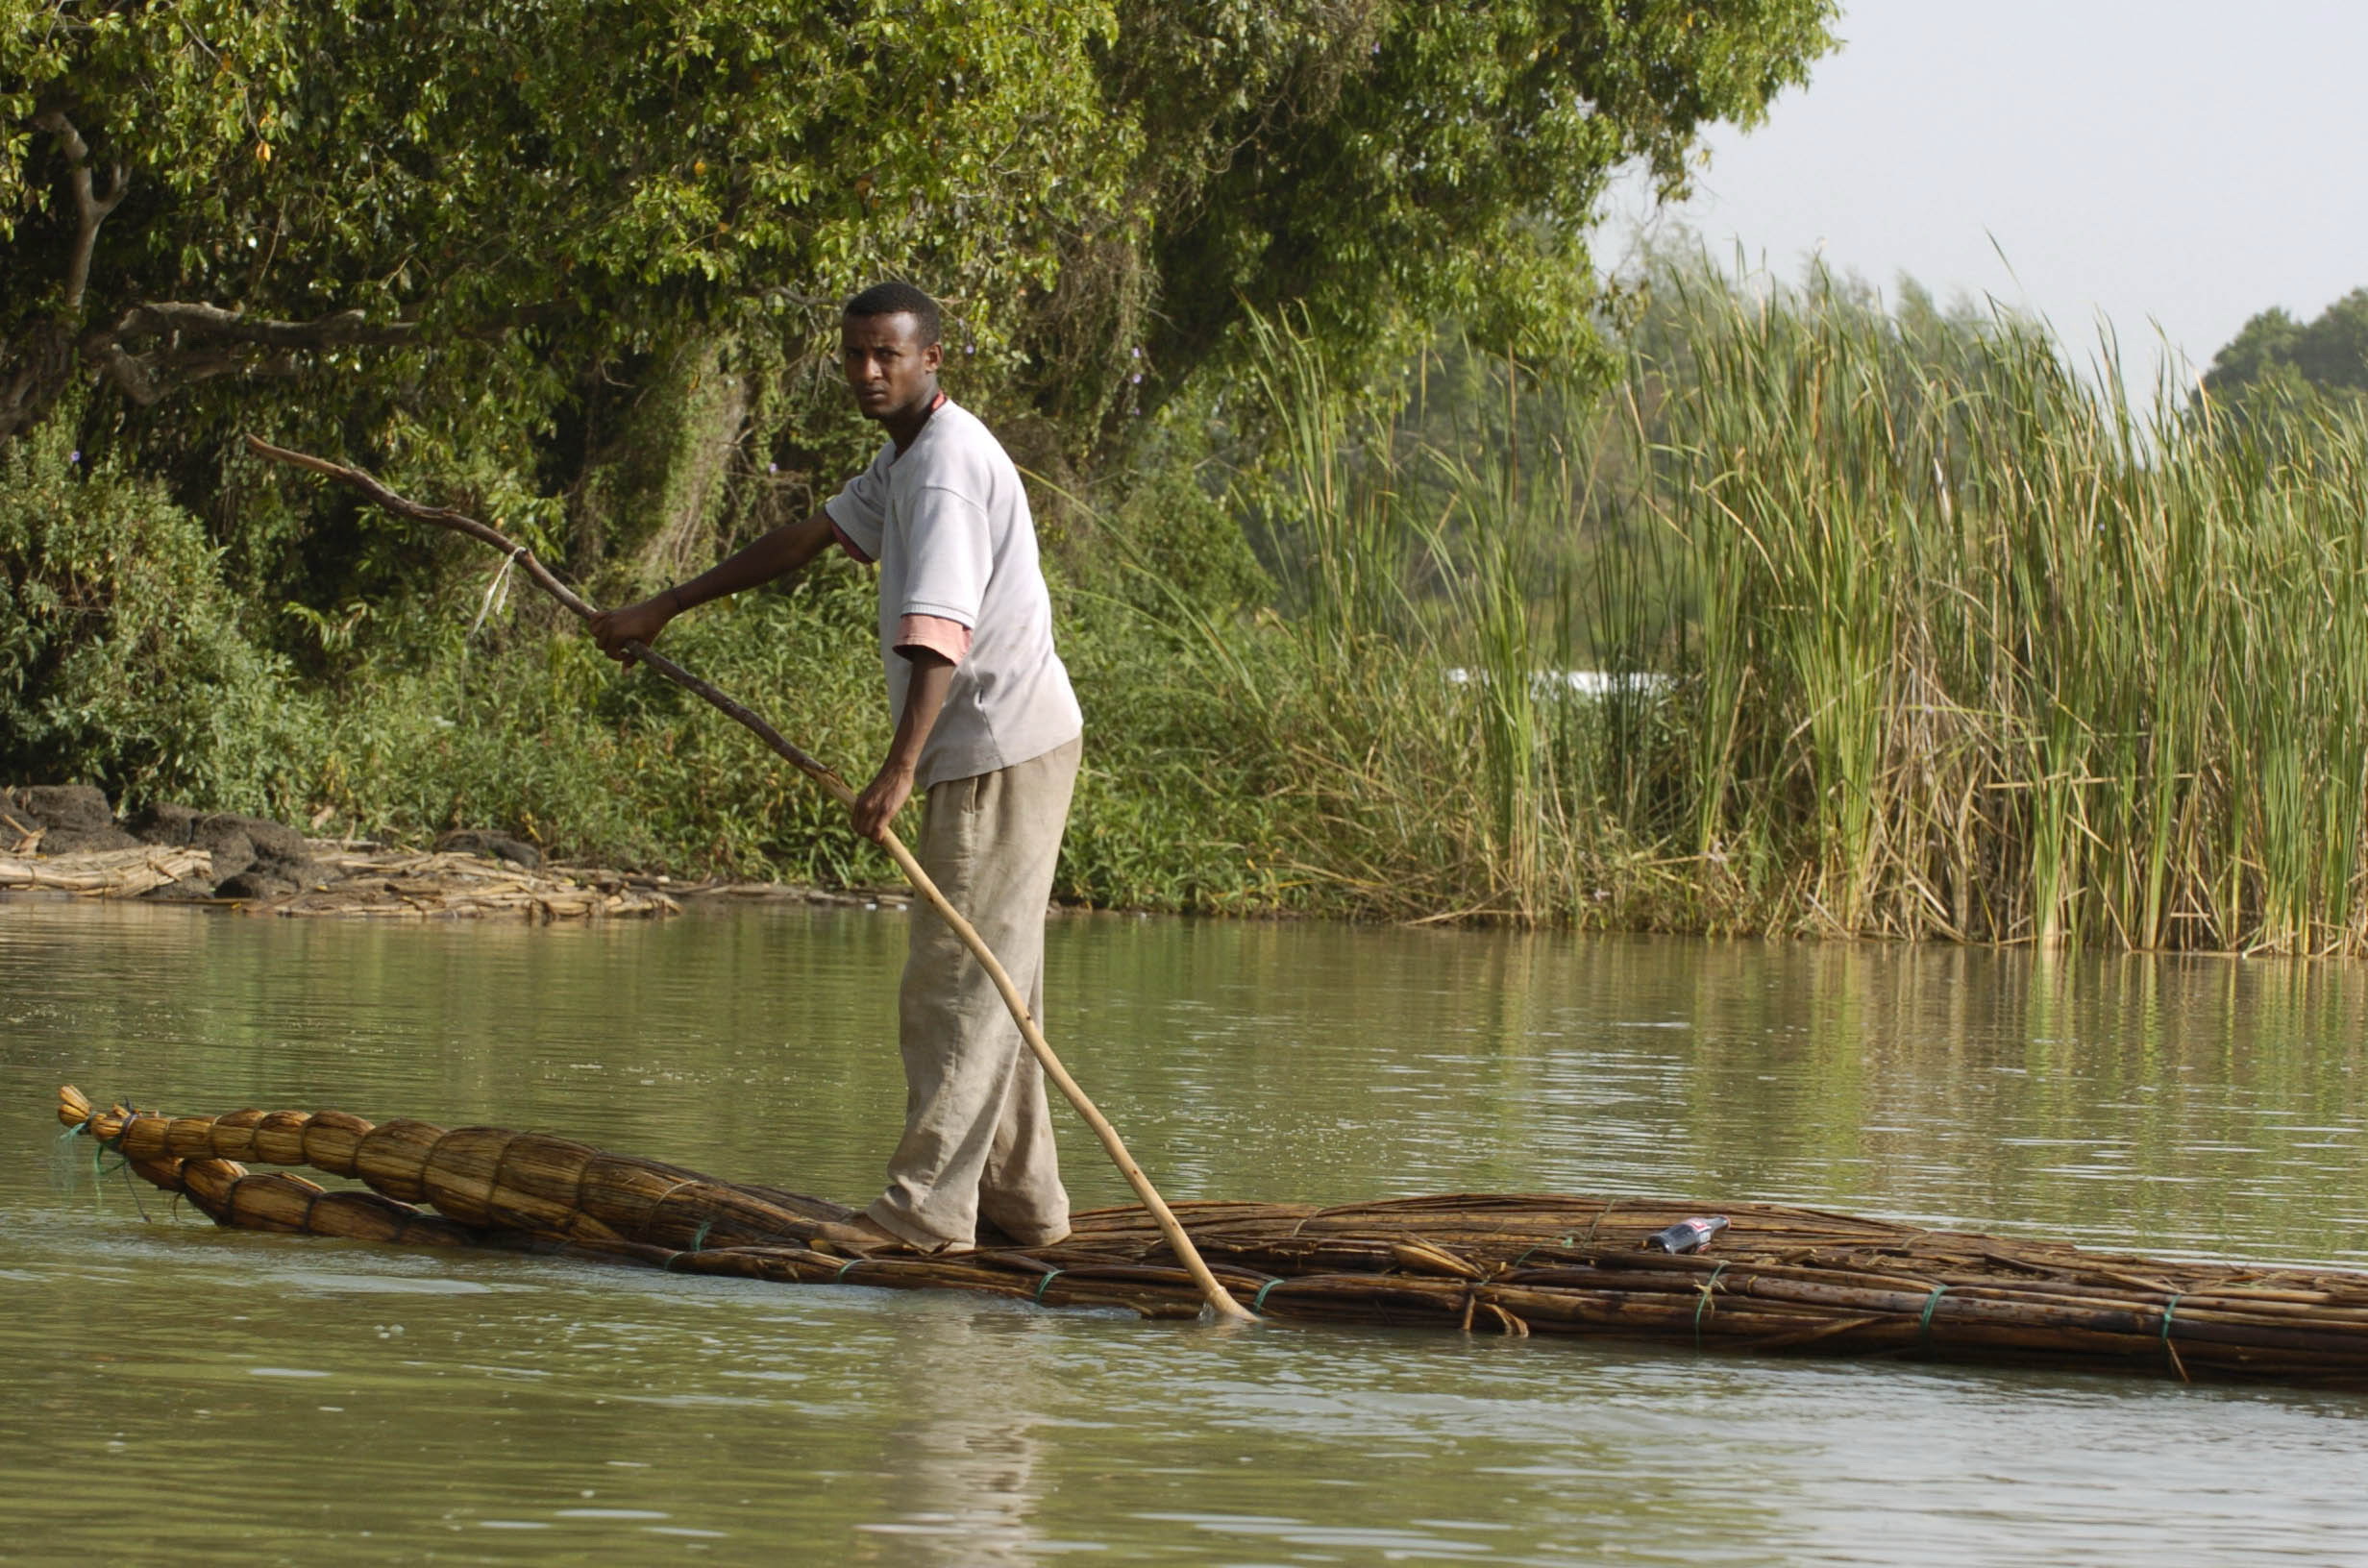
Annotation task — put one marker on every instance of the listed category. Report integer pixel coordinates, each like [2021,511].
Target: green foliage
[120,659]
[461,239]
[663,158]
[1979,653]
[526,726]
[1899,626]
[2273,358]
[574,264]
[496,251]
[1385,166]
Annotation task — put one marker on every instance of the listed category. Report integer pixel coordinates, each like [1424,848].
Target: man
[987,730]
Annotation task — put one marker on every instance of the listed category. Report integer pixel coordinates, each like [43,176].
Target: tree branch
[202,341]
[130,374]
[195,342]
[213,321]
[90,207]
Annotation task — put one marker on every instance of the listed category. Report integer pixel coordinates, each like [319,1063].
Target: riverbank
[1963,649]
[173,854]
[353,883]
[65,838]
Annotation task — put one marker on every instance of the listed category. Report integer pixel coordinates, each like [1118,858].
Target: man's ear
[933,356]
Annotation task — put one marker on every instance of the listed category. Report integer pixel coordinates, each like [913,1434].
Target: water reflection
[963,1455]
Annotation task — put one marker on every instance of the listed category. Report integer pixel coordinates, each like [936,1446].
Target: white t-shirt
[949,523]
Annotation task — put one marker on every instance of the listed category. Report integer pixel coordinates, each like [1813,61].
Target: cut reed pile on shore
[1778,1279]
[101,874]
[384,884]
[356,883]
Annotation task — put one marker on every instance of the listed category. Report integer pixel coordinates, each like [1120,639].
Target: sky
[2173,167]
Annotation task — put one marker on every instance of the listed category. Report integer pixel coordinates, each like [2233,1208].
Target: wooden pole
[1220,1301]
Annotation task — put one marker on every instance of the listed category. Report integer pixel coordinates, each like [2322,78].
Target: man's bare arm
[925,696]
[777,554]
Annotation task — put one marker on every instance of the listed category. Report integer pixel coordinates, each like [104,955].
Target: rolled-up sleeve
[847,544]
[951,639]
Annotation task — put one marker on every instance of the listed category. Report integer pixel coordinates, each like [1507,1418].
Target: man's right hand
[774,555]
[638,623]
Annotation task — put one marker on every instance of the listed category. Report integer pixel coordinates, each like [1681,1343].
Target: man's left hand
[881,801]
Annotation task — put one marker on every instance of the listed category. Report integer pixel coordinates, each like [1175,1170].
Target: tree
[2275,355]
[575,263]
[198,190]
[1384,166]
[308,179]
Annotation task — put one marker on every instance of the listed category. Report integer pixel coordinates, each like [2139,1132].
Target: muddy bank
[67,838]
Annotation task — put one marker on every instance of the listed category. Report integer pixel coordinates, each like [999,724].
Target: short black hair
[897,299]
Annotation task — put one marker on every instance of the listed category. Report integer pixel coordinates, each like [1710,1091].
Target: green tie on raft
[1778,1279]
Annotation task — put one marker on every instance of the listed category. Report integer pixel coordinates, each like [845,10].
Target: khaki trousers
[977,1137]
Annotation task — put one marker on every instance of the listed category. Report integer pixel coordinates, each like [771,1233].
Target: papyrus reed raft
[1778,1279]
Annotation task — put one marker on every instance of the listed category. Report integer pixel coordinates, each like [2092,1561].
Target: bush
[121,661]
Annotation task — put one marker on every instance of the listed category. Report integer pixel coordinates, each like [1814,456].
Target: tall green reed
[2006,659]
[1408,700]
[1949,638]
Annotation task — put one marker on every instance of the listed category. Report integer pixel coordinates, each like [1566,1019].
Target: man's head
[888,350]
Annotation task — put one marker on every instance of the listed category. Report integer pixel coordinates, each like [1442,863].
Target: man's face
[888,368]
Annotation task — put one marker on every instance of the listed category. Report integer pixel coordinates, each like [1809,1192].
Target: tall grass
[2028,665]
[1400,713]
[1958,645]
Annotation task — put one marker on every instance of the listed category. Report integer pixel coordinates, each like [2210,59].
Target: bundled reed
[403,886]
[377,884]
[105,873]
[1777,1278]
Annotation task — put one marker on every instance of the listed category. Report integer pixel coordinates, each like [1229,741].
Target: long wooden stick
[1220,1301]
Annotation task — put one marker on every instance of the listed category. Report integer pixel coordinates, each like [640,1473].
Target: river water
[198,1396]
